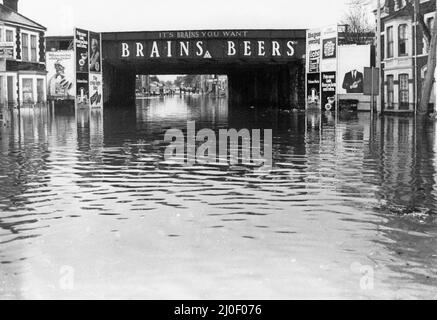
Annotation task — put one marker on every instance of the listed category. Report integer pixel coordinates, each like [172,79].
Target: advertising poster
[81,46]
[95,56]
[96,88]
[82,91]
[313,90]
[60,75]
[329,49]
[314,61]
[329,87]
[313,50]
[352,61]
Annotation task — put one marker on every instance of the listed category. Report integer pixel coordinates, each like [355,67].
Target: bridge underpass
[265,68]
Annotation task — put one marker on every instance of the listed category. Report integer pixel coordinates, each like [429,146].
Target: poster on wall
[81,48]
[329,91]
[60,75]
[329,49]
[96,88]
[313,59]
[313,51]
[313,90]
[352,61]
[82,89]
[95,56]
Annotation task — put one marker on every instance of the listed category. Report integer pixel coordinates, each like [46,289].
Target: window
[404,93]
[390,42]
[33,48]
[27,86]
[9,36]
[25,46]
[403,40]
[390,91]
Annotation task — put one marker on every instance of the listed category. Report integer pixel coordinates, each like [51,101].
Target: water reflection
[90,189]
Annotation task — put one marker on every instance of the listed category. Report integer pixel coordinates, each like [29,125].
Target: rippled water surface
[90,209]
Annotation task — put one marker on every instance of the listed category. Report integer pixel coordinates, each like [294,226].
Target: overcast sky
[60,16]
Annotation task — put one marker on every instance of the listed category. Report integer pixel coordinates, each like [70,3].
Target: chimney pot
[11,4]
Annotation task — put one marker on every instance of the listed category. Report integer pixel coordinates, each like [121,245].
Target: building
[22,58]
[404,54]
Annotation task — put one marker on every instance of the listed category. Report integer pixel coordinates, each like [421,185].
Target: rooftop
[8,15]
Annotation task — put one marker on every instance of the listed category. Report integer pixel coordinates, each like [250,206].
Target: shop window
[403,40]
[27,85]
[390,44]
[33,48]
[404,92]
[390,91]
[25,46]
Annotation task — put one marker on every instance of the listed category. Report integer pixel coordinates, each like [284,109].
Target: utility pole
[379,57]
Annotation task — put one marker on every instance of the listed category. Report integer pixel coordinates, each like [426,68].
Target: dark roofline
[40,26]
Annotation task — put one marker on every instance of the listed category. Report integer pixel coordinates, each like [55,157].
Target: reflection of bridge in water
[264,67]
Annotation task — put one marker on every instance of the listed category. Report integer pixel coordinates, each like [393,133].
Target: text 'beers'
[202,49]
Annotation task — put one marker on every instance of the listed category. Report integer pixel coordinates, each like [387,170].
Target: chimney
[11,4]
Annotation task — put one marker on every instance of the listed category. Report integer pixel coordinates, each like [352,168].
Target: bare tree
[359,28]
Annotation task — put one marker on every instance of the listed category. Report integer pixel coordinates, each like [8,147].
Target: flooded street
[90,209]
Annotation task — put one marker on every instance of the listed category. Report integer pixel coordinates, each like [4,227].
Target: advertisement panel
[60,74]
[313,60]
[89,79]
[352,61]
[329,49]
[329,93]
[82,91]
[313,90]
[81,46]
[96,88]
[95,56]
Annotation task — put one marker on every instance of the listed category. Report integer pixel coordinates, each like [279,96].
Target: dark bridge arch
[264,67]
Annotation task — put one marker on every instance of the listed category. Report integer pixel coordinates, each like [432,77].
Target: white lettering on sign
[246,48]
[140,49]
[155,50]
[125,50]
[199,45]
[261,48]
[231,48]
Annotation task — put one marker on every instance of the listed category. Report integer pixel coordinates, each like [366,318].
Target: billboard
[313,90]
[81,45]
[89,78]
[95,90]
[95,56]
[60,74]
[352,61]
[82,91]
[313,60]
[329,90]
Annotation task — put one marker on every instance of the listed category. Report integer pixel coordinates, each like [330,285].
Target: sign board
[61,82]
[371,81]
[313,59]
[321,66]
[89,78]
[351,63]
[329,90]
[6,50]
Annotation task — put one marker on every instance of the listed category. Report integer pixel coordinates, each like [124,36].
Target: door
[11,87]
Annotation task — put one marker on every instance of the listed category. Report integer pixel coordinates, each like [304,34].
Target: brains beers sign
[211,45]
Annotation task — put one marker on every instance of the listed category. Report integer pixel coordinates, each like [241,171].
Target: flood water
[90,209]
